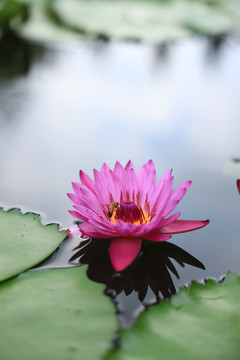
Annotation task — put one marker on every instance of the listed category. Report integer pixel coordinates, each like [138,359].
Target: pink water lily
[128,206]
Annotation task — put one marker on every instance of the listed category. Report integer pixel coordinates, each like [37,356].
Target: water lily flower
[128,206]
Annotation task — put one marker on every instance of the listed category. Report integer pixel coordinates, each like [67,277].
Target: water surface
[66,108]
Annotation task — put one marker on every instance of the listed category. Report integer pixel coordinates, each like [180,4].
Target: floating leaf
[24,242]
[200,322]
[55,314]
[152,20]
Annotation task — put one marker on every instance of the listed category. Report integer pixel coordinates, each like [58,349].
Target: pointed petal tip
[204,222]
[82,176]
[117,163]
[180,226]
[186,185]
[69,195]
[238,185]
[150,166]
[75,185]
[104,167]
[75,214]
[150,161]
[129,165]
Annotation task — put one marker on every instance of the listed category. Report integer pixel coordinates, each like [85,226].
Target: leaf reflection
[153,268]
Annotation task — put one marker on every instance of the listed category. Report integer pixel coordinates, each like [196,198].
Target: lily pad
[200,322]
[25,242]
[151,21]
[55,314]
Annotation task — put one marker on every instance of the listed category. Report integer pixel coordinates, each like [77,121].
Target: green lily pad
[152,20]
[200,322]
[25,242]
[55,314]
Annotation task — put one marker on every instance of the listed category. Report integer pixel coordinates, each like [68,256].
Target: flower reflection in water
[152,269]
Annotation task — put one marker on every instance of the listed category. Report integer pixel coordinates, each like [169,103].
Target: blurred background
[84,82]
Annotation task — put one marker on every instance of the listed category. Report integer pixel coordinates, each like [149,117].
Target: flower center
[126,211]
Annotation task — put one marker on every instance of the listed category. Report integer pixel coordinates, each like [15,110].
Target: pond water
[69,107]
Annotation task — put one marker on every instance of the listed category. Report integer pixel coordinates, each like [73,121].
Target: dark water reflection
[16,60]
[151,269]
[17,57]
[151,272]
[65,108]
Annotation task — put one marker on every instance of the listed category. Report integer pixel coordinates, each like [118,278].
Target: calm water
[65,108]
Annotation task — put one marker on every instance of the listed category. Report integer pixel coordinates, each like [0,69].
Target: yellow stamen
[128,212]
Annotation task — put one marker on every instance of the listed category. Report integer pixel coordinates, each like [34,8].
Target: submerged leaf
[24,242]
[200,322]
[55,314]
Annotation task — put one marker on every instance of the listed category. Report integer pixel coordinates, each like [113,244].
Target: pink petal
[159,188]
[90,201]
[86,198]
[150,166]
[146,179]
[120,174]
[175,197]
[99,223]
[87,181]
[124,229]
[238,185]
[142,178]
[79,188]
[115,186]
[179,226]
[105,172]
[129,166]
[77,215]
[123,251]
[73,231]
[156,226]
[99,178]
[180,191]
[105,169]
[163,198]
[103,192]
[76,187]
[88,213]
[88,230]
[74,198]
[132,184]
[157,237]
